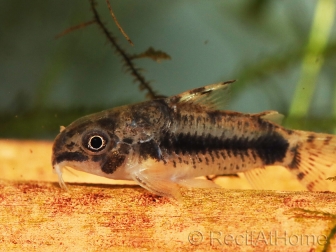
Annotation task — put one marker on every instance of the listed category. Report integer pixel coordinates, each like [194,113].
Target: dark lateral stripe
[270,148]
[70,156]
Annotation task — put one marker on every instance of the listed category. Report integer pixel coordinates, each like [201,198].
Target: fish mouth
[58,170]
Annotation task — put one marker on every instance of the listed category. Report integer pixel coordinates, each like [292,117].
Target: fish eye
[96,143]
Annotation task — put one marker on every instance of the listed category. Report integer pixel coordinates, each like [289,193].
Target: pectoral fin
[157,185]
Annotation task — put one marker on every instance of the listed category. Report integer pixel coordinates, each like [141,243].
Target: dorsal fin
[271,115]
[212,96]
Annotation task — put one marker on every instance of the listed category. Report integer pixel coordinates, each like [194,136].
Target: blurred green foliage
[283,54]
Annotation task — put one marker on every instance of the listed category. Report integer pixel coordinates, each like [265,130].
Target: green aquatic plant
[313,59]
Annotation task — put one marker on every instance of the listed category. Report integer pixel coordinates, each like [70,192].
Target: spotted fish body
[167,142]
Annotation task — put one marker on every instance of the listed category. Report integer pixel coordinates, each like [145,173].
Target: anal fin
[197,183]
[256,178]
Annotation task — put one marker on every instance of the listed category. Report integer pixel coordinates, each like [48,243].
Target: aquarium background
[282,54]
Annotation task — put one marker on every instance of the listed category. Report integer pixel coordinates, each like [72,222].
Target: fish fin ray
[214,96]
[271,115]
[313,159]
[197,183]
[156,182]
[255,177]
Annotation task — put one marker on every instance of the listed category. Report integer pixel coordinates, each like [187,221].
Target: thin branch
[127,59]
[73,28]
[117,23]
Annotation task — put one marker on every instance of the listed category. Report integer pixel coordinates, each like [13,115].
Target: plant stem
[334,106]
[313,57]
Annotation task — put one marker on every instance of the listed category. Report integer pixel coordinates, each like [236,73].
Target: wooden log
[39,215]
[36,215]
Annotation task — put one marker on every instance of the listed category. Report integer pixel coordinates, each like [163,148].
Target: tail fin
[314,155]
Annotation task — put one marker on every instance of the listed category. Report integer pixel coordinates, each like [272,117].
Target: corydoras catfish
[169,142]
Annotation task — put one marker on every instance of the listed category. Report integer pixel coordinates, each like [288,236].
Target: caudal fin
[314,155]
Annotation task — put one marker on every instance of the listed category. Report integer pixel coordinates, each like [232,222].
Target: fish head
[91,144]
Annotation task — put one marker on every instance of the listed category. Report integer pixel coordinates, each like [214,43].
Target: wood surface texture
[37,215]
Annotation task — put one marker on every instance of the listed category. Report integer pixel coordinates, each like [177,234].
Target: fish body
[167,142]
